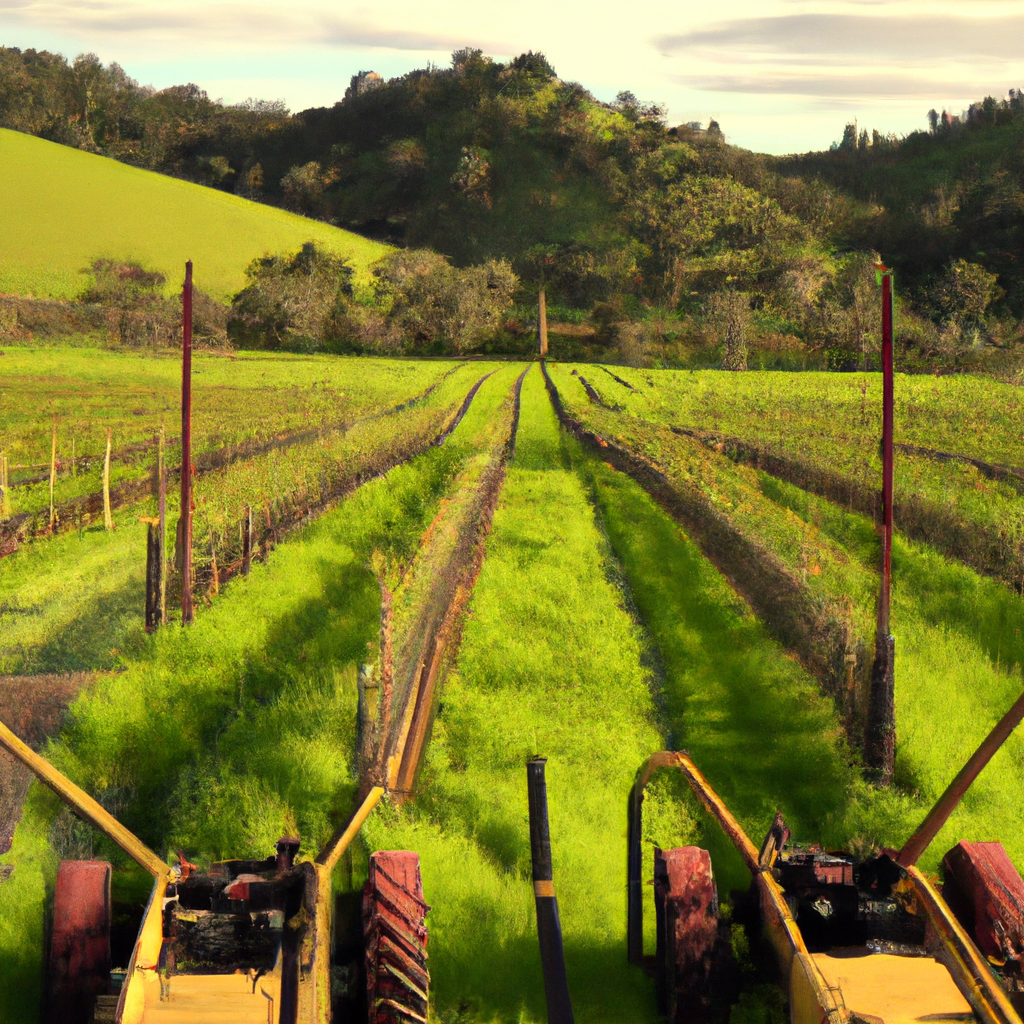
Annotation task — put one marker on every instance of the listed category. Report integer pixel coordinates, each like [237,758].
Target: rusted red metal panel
[986,893]
[397,979]
[686,906]
[79,968]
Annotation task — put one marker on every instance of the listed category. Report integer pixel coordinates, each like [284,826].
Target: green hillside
[63,208]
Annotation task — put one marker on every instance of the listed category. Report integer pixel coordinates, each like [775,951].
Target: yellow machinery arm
[84,805]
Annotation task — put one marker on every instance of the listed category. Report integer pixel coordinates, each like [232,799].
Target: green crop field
[62,209]
[599,621]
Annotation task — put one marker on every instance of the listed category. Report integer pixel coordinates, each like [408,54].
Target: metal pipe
[634,857]
[969,969]
[880,745]
[887,452]
[186,446]
[82,804]
[331,853]
[947,803]
[549,928]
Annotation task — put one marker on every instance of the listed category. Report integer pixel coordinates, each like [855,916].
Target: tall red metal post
[186,447]
[880,745]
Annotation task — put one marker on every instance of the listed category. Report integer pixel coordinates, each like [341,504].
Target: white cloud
[780,75]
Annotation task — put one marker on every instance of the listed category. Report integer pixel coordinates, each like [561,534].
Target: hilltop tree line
[651,241]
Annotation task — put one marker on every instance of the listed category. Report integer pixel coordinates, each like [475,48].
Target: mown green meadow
[50,233]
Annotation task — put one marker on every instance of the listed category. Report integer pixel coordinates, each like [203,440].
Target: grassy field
[73,601]
[830,424]
[969,415]
[547,645]
[64,208]
[245,398]
[598,632]
[958,634]
[226,735]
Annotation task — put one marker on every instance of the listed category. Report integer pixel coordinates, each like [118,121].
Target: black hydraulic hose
[549,928]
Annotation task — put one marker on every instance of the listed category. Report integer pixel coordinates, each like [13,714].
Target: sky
[780,76]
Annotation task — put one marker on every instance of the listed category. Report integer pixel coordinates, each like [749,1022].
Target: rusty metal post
[542,322]
[549,928]
[947,803]
[161,470]
[880,745]
[186,447]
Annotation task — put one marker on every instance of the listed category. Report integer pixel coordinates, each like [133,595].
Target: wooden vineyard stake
[215,581]
[5,509]
[108,519]
[880,742]
[153,574]
[185,519]
[247,541]
[542,323]
[53,467]
[161,471]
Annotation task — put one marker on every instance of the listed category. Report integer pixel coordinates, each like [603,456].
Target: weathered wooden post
[152,574]
[542,322]
[5,508]
[53,466]
[214,571]
[247,541]
[108,518]
[880,744]
[549,927]
[185,520]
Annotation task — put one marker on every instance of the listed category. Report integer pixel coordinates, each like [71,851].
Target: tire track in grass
[450,559]
[736,530]
[550,663]
[753,719]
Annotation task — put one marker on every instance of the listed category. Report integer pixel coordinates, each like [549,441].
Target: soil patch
[33,707]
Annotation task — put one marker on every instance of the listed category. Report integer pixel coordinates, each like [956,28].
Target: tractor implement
[860,941]
[247,942]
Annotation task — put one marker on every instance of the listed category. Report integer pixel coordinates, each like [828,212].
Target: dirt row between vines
[76,512]
[391,747]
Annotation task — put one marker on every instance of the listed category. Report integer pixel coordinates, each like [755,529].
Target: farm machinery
[246,942]
[855,940]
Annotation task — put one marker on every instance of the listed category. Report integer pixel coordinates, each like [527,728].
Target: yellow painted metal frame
[131,1007]
[811,999]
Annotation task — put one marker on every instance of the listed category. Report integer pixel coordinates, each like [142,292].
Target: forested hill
[953,192]
[670,242]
